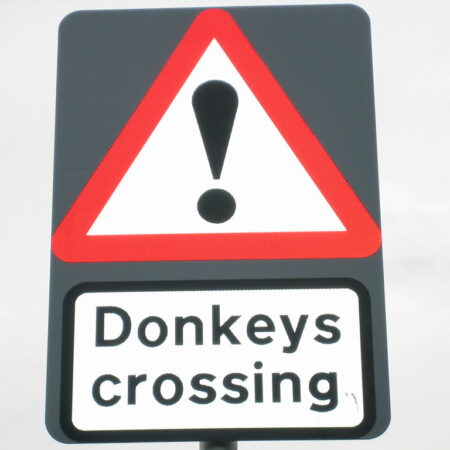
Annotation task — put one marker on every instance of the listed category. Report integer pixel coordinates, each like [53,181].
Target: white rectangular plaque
[214,359]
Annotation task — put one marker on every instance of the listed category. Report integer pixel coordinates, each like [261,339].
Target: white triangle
[159,192]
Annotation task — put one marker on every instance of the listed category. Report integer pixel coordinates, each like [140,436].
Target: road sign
[216,263]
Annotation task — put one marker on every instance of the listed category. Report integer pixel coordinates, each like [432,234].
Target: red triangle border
[362,237]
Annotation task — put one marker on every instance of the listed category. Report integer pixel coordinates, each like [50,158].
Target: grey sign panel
[172,317]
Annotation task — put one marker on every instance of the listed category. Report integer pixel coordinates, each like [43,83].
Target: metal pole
[218,445]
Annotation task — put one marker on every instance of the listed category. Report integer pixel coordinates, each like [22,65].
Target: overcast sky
[411,41]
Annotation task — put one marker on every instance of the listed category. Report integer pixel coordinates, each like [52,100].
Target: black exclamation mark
[215,104]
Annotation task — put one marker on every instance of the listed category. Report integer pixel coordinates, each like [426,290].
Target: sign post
[216,250]
[218,445]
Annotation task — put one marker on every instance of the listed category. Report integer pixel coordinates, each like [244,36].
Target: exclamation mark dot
[215,104]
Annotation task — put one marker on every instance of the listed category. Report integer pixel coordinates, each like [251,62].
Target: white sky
[412,85]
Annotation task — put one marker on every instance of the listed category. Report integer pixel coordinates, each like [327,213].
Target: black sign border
[223,434]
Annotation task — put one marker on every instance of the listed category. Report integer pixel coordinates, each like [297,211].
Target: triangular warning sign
[142,202]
